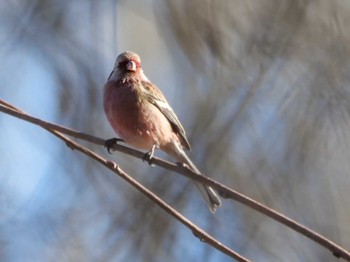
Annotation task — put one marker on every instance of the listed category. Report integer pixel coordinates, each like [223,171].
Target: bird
[140,115]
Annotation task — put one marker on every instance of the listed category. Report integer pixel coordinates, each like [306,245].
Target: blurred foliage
[263,91]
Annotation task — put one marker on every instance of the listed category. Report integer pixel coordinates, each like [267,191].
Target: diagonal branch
[224,191]
[197,231]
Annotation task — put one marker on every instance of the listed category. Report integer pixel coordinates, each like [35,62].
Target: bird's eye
[122,64]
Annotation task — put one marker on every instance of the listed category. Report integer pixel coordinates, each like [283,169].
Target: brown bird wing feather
[154,96]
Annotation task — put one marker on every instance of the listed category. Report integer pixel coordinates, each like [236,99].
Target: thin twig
[197,231]
[224,191]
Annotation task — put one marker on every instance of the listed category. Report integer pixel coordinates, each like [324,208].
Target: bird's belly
[138,122]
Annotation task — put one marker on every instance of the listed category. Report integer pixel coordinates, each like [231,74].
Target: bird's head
[127,63]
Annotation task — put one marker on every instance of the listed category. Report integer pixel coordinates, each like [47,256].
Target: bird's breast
[133,118]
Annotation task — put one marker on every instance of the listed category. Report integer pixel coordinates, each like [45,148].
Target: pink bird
[141,116]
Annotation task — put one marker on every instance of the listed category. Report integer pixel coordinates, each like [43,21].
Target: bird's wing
[154,96]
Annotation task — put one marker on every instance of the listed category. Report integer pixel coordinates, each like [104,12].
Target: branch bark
[223,191]
[52,128]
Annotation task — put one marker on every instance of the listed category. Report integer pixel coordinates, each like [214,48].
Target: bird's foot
[182,165]
[109,143]
[149,155]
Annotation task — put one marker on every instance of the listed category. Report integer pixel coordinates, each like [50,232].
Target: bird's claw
[109,143]
[182,165]
[149,155]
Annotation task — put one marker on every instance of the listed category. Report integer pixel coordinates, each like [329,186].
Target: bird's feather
[154,96]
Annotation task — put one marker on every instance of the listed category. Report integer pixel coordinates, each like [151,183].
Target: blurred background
[261,87]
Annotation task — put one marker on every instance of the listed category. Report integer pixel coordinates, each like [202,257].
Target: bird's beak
[131,66]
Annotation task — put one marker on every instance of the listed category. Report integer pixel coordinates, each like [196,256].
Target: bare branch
[224,191]
[197,231]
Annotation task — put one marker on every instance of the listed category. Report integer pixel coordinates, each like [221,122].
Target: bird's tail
[207,192]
